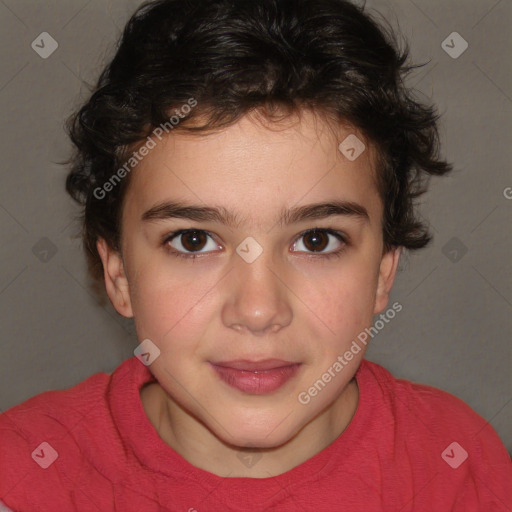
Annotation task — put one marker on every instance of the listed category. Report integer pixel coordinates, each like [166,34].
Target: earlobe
[116,282]
[387,273]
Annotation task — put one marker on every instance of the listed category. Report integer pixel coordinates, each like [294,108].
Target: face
[252,258]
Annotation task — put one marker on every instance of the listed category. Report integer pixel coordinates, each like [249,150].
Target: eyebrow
[177,210]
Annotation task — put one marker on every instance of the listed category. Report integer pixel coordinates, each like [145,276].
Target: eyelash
[192,256]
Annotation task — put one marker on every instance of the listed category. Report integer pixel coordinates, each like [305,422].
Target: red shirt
[408,448]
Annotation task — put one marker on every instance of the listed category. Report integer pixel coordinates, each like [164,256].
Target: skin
[292,303]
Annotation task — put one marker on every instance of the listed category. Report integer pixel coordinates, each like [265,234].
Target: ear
[116,282]
[387,273]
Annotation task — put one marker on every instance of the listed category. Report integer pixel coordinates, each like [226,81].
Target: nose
[258,298]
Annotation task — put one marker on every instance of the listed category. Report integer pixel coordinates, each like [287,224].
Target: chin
[262,435]
[261,442]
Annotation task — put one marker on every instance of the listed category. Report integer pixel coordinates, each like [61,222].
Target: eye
[189,241]
[324,241]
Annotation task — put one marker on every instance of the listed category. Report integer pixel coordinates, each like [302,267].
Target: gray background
[455,329]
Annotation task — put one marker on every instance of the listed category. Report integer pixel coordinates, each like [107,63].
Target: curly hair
[235,56]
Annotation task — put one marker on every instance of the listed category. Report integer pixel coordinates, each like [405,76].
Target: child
[248,171]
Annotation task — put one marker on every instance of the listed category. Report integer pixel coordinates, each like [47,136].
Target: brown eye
[326,242]
[193,240]
[316,240]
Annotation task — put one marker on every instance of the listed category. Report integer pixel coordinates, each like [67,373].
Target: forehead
[254,168]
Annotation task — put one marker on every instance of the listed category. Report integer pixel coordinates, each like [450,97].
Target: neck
[200,447]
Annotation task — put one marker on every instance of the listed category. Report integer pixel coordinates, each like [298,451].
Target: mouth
[256,377]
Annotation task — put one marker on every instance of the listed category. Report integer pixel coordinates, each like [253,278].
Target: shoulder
[48,426]
[435,409]
[57,409]
[433,431]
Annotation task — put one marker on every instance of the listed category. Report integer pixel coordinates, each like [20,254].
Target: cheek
[342,299]
[167,303]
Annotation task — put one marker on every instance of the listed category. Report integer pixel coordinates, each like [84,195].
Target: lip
[256,377]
